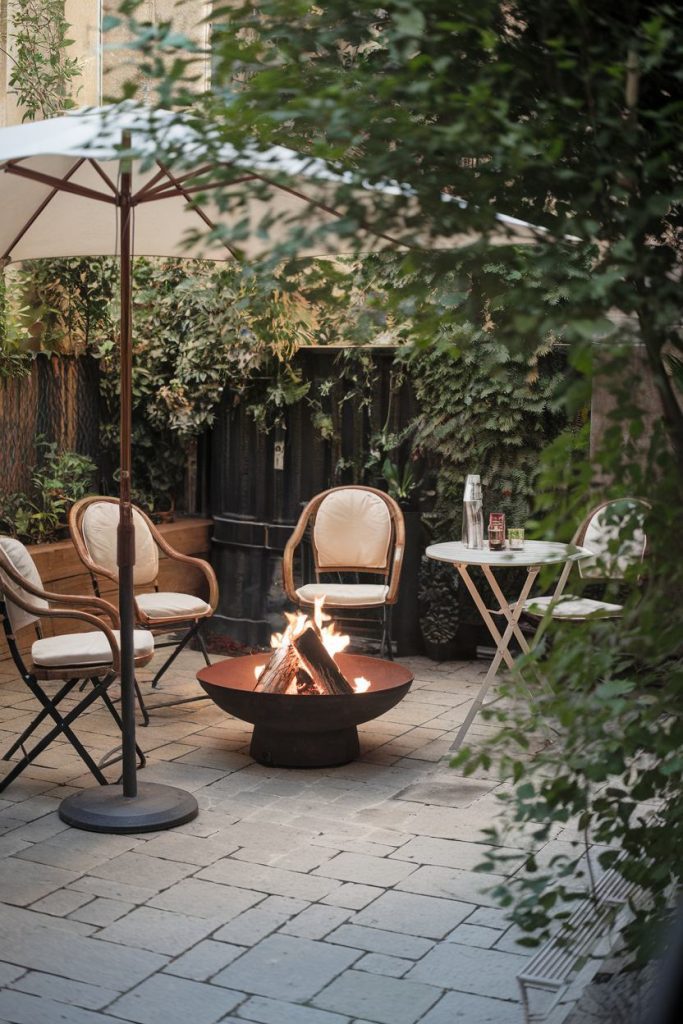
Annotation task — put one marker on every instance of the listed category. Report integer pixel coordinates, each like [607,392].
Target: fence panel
[58,400]
[255,504]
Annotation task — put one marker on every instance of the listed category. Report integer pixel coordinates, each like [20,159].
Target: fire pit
[306,698]
[292,730]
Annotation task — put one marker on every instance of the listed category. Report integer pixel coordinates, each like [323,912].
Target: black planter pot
[441,650]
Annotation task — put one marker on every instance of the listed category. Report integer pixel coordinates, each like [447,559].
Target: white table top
[534,552]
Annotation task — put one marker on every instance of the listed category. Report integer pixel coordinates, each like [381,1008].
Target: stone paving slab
[288,968]
[342,895]
[382,999]
[168,1000]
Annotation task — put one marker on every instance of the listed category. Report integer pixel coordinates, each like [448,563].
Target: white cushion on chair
[171,605]
[18,556]
[344,595]
[613,554]
[570,607]
[99,527]
[352,529]
[80,649]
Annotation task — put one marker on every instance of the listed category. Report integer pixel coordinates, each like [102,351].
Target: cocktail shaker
[472,513]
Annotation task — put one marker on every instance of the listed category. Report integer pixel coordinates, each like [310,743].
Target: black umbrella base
[106,809]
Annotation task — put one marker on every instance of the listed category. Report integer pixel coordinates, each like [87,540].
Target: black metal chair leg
[141,703]
[62,727]
[105,761]
[169,661]
[40,717]
[202,645]
[385,647]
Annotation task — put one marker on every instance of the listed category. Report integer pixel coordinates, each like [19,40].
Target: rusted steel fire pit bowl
[294,730]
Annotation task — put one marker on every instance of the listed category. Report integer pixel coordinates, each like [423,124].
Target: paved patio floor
[296,897]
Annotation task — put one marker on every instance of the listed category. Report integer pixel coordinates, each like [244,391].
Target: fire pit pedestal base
[301,731]
[276,748]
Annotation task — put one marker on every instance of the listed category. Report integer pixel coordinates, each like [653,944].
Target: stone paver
[168,1000]
[197,898]
[344,895]
[430,917]
[458,1006]
[287,968]
[158,930]
[382,999]
[274,1011]
[204,960]
[376,940]
[483,972]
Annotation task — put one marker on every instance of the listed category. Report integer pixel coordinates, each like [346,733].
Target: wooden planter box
[62,572]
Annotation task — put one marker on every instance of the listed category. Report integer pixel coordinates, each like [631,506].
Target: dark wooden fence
[255,504]
[58,400]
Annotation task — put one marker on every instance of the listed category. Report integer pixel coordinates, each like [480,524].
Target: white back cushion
[16,553]
[353,529]
[614,554]
[99,527]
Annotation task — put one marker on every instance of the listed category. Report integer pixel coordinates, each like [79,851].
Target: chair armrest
[288,556]
[198,563]
[65,600]
[68,613]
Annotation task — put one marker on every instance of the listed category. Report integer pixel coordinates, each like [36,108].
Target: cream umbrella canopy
[128,179]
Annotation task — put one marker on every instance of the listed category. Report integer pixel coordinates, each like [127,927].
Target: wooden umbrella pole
[126,531]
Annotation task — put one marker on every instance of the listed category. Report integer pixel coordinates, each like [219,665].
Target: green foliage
[42,76]
[567,115]
[59,478]
[438,601]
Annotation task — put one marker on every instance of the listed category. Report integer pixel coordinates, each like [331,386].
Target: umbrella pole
[130,806]
[126,531]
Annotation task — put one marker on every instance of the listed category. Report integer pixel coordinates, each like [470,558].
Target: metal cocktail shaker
[472,513]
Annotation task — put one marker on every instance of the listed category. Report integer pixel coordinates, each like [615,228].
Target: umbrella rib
[105,177]
[164,192]
[37,212]
[198,210]
[149,188]
[59,184]
[150,185]
[330,209]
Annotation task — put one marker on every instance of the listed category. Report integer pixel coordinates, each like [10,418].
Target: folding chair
[93,524]
[357,531]
[71,658]
[613,532]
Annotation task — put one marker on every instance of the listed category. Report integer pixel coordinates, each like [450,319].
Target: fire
[333,641]
[297,622]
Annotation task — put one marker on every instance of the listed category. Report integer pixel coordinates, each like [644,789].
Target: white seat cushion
[344,595]
[85,648]
[571,607]
[171,605]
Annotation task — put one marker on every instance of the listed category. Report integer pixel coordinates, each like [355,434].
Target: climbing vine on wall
[42,75]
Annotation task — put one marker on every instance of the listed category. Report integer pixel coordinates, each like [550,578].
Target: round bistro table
[533,557]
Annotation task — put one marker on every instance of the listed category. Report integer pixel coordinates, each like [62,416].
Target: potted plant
[439,609]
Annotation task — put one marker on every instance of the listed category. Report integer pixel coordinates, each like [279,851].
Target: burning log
[303,659]
[319,664]
[280,670]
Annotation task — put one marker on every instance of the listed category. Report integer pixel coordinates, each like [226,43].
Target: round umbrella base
[106,809]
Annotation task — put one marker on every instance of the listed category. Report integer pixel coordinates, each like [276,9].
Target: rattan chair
[354,531]
[613,532]
[93,524]
[72,658]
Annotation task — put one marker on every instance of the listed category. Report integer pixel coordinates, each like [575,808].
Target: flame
[258,671]
[361,684]
[297,622]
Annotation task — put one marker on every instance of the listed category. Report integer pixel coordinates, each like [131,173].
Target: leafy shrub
[59,479]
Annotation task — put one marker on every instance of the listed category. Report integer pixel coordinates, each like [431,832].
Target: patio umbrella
[125,179]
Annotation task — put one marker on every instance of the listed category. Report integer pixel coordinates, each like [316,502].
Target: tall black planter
[406,618]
